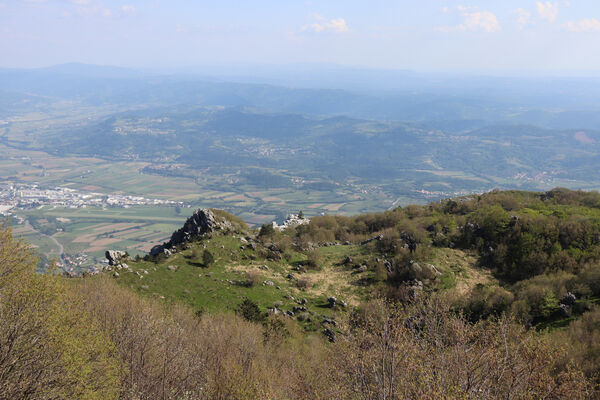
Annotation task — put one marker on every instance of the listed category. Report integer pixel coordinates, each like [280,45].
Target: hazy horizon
[514,38]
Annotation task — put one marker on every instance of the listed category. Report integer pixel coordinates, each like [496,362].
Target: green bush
[250,311]
[207,259]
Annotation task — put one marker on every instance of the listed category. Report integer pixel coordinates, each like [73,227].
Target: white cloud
[584,25]
[523,16]
[128,9]
[481,20]
[323,25]
[547,10]
[445,10]
[473,20]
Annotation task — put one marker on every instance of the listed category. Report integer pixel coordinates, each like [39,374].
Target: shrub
[303,283]
[266,230]
[207,259]
[314,259]
[253,278]
[250,311]
[488,301]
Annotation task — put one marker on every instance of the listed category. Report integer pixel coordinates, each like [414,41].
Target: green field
[94,230]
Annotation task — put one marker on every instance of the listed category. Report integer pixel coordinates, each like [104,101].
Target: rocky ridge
[202,222]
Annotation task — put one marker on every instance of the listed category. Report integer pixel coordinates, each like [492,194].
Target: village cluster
[23,196]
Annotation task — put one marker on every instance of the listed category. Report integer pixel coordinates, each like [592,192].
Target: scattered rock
[569,299]
[565,310]
[303,317]
[332,301]
[330,334]
[116,274]
[268,283]
[303,301]
[291,276]
[388,266]
[273,311]
[378,237]
[348,260]
[160,249]
[264,267]
[415,288]
[172,268]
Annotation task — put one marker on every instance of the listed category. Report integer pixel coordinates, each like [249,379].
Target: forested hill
[533,256]
[489,295]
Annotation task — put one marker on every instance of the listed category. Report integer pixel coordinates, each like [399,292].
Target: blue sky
[490,36]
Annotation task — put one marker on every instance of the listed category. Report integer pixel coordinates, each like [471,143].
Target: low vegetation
[489,296]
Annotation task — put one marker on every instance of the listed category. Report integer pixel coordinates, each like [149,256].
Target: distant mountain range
[434,133]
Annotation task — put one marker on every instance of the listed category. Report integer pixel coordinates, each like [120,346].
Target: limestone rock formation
[115,257]
[202,222]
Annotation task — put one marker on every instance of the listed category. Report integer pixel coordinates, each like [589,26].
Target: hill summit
[203,221]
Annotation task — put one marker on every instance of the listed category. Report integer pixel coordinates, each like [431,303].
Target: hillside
[534,255]
[438,300]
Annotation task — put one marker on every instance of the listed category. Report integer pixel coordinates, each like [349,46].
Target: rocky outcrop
[290,221]
[202,222]
[116,260]
[115,257]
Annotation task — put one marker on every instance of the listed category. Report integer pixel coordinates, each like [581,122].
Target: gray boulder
[332,301]
[422,271]
[160,249]
[569,299]
[330,334]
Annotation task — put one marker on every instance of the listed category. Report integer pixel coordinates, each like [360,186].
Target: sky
[427,35]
